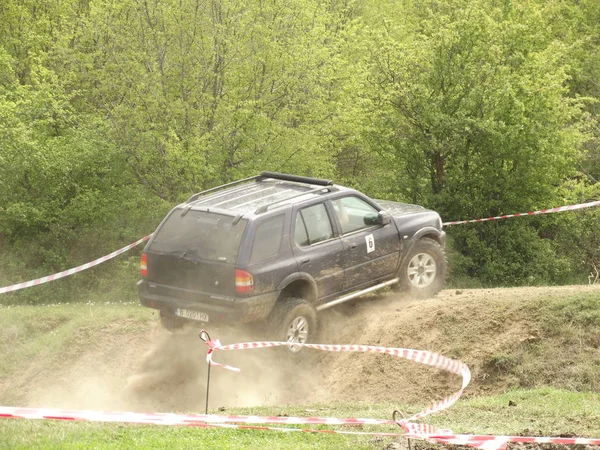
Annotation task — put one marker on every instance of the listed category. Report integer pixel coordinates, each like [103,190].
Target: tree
[476,95]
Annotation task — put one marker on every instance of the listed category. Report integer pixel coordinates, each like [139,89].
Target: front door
[371,252]
[317,250]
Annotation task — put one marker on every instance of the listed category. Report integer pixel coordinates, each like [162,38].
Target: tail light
[144,265]
[243,281]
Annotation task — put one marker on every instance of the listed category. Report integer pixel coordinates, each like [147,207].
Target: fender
[299,276]
[409,242]
[429,230]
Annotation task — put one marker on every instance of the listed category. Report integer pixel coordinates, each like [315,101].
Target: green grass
[544,411]
[18,435]
[547,411]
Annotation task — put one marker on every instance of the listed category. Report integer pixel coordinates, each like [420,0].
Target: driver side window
[351,213]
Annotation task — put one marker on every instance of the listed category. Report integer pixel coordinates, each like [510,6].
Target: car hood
[400,209]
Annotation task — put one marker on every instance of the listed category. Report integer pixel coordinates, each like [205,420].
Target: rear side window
[200,235]
[312,225]
[267,239]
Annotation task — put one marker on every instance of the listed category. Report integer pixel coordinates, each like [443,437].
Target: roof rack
[195,196]
[296,178]
[327,186]
[265,208]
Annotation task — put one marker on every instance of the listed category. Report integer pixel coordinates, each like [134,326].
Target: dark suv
[278,248]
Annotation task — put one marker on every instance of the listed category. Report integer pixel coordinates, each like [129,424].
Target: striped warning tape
[416,431]
[531,213]
[419,356]
[492,442]
[66,273]
[423,357]
[410,429]
[177,419]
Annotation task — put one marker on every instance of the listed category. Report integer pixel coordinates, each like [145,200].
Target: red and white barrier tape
[419,356]
[177,419]
[416,431]
[411,430]
[532,213]
[66,273]
[490,442]
[212,345]
[423,357]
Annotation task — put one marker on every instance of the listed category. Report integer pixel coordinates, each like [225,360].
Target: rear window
[200,235]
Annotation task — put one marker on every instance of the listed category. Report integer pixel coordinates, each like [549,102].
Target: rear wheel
[423,272]
[293,320]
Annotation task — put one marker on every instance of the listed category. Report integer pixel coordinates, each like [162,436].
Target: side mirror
[381,218]
[384,218]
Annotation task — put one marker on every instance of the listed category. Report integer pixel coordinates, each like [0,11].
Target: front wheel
[423,271]
[293,320]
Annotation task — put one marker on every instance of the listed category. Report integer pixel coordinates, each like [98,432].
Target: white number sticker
[370,243]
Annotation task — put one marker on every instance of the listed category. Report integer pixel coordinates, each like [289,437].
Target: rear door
[371,252]
[318,251]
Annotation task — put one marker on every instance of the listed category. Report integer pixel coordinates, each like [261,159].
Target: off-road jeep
[279,248]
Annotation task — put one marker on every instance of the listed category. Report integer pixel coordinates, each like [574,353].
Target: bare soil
[154,370]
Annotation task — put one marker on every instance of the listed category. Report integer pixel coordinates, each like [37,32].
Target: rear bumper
[220,309]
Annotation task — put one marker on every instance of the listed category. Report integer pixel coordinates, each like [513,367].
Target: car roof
[259,196]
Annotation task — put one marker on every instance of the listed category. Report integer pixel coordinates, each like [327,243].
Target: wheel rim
[422,270]
[297,333]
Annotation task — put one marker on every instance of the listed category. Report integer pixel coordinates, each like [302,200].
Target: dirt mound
[154,370]
[499,333]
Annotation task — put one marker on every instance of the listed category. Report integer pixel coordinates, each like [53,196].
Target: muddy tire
[293,320]
[171,322]
[423,272]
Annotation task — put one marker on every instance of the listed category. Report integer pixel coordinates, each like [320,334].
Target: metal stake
[207,389]
[206,337]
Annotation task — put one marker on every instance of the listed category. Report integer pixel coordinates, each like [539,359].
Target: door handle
[305,260]
[352,245]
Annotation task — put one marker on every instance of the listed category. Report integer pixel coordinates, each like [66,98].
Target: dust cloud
[160,371]
[150,369]
[173,375]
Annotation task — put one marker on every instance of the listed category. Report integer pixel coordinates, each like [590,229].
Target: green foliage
[111,112]
[477,121]
[200,96]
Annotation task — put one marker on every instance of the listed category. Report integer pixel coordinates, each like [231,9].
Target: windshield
[200,235]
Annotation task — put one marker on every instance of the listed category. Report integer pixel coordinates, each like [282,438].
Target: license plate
[189,314]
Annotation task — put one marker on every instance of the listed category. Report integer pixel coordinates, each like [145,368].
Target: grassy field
[534,357]
[548,412]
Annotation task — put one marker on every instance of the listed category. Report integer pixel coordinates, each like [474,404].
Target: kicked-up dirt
[153,370]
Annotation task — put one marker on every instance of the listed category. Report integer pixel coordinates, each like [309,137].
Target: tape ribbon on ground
[410,429]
